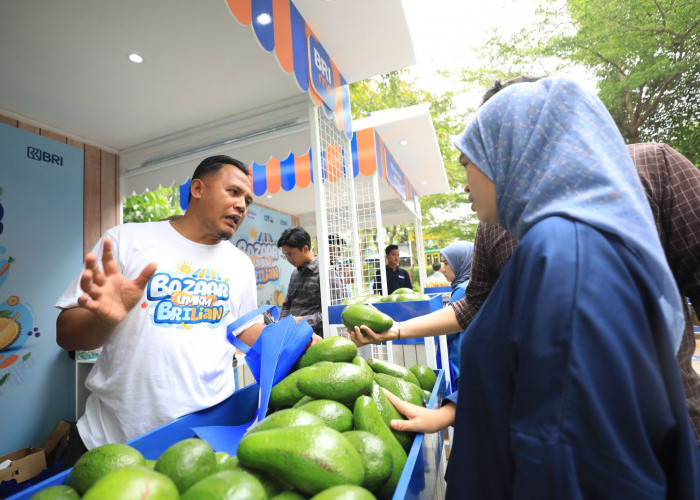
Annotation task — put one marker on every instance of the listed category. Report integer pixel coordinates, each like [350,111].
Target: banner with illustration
[41,248]
[257,237]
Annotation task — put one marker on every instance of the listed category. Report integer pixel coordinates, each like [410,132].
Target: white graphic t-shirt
[170,355]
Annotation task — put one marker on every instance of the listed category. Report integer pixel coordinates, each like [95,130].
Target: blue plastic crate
[418,479]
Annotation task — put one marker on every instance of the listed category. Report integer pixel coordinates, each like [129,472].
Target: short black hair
[213,164]
[497,86]
[437,266]
[295,237]
[390,248]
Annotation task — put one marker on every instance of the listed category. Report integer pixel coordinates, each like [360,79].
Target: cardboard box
[26,463]
[57,442]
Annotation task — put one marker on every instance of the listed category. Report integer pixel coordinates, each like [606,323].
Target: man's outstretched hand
[108,293]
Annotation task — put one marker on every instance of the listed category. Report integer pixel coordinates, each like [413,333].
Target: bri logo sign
[44,156]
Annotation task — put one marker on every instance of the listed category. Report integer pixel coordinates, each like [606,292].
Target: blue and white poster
[41,248]
[257,237]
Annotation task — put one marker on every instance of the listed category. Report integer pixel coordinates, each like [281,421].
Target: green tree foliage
[152,205]
[645,55]
[444,212]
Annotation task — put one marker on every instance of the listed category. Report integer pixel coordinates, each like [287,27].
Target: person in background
[457,260]
[570,386]
[342,269]
[437,278]
[304,292]
[162,328]
[396,277]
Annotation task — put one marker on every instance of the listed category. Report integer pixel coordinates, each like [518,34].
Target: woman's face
[481,191]
[447,271]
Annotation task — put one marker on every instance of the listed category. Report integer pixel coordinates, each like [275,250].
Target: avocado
[305,399]
[344,492]
[288,495]
[341,382]
[330,349]
[375,455]
[309,458]
[365,314]
[58,492]
[402,291]
[393,369]
[187,462]
[100,461]
[367,418]
[425,375]
[285,392]
[238,484]
[399,387]
[133,481]
[291,417]
[335,415]
[389,412]
[362,363]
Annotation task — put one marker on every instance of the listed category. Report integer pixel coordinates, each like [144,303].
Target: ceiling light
[269,196]
[264,19]
[404,142]
[135,58]
[424,182]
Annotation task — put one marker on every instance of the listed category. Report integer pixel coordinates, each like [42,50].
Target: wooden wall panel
[92,190]
[28,128]
[109,179]
[53,135]
[8,121]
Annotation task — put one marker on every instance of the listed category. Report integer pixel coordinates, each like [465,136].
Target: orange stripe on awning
[283,34]
[242,9]
[302,170]
[334,163]
[366,152]
[274,181]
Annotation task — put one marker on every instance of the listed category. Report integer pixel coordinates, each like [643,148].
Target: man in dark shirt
[395,276]
[304,293]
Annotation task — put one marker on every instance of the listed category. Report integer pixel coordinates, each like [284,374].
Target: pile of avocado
[327,437]
[400,295]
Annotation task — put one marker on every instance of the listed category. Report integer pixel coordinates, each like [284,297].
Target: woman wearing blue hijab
[569,385]
[457,258]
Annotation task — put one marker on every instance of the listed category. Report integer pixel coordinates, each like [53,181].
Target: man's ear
[196,188]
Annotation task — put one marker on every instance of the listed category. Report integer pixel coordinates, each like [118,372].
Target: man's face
[295,256]
[223,200]
[392,259]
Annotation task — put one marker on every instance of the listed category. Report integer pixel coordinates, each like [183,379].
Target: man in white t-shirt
[157,298]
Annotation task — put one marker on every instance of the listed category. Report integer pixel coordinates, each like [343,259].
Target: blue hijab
[552,149]
[459,256]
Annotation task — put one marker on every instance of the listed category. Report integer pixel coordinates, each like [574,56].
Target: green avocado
[399,387]
[401,291]
[285,392]
[375,455]
[58,492]
[290,417]
[133,481]
[342,382]
[336,349]
[362,363]
[288,495]
[187,462]
[335,415]
[367,418]
[365,314]
[393,369]
[425,375]
[100,461]
[389,412]
[237,483]
[309,458]
[344,492]
[303,401]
